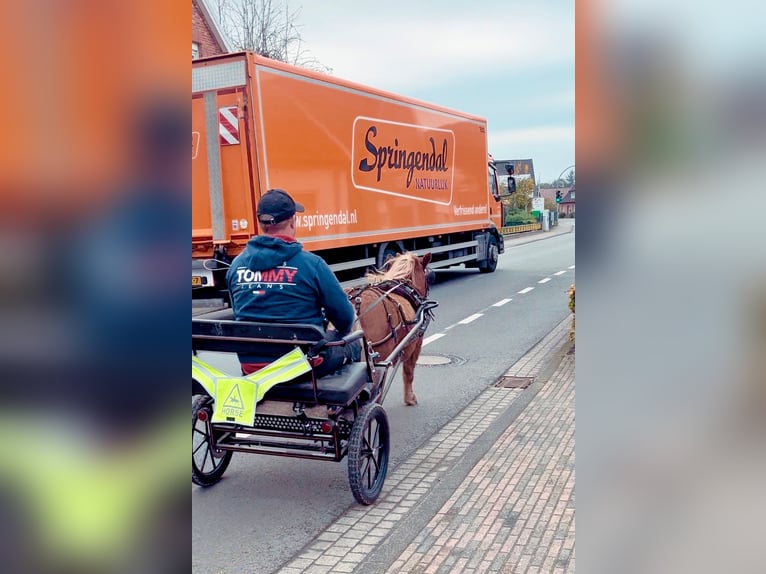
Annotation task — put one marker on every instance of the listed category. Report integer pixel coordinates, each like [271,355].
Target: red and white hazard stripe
[228,125]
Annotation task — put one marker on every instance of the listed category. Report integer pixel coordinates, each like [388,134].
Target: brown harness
[398,325]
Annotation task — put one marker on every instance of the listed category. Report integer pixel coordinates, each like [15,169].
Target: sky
[509,61]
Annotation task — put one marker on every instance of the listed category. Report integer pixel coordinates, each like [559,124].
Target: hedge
[519,218]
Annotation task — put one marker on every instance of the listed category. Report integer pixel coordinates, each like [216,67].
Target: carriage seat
[337,389]
[218,332]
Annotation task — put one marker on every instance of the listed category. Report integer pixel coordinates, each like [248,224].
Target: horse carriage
[284,409]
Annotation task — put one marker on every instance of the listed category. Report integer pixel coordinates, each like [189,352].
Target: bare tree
[267,28]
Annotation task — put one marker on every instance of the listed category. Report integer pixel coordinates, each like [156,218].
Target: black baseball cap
[275,206]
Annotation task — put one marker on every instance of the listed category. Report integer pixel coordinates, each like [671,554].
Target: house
[548,193]
[567,205]
[207,39]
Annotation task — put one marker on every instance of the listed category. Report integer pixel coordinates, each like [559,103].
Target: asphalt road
[266,508]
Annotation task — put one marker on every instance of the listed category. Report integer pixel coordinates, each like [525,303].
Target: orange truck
[377,173]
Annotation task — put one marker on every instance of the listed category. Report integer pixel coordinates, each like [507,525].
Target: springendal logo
[401,159]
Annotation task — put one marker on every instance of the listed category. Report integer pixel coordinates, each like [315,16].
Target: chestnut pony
[386,308]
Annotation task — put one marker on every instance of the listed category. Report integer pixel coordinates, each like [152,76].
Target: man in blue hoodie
[273,279]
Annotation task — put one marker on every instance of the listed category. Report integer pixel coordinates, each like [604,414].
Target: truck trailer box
[376,172]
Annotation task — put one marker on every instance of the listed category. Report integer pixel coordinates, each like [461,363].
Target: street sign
[538,203]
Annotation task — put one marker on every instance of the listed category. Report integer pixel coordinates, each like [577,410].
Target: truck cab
[495,203]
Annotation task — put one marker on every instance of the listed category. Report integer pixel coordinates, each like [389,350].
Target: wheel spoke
[364,466]
[375,438]
[199,446]
[371,440]
[205,441]
[375,461]
[369,475]
[204,459]
[372,452]
[212,458]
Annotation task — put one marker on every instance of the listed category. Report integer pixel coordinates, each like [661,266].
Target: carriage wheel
[368,448]
[207,465]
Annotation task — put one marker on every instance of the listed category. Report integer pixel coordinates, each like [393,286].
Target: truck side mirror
[511,184]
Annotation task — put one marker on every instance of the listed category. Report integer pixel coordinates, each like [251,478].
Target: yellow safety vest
[235,397]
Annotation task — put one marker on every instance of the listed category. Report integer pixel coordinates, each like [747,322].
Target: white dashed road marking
[571,267]
[432,338]
[475,316]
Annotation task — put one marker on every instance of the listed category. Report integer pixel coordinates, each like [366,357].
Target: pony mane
[400,268]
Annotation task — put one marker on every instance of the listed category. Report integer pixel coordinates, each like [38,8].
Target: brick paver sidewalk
[515,510]
[509,508]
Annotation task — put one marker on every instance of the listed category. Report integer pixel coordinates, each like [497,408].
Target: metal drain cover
[439,360]
[514,382]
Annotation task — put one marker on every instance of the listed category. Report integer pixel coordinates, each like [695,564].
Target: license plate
[196,281]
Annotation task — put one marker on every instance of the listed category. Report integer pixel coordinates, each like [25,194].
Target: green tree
[569,181]
[522,199]
[517,205]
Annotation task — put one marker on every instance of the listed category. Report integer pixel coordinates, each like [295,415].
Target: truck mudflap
[488,250]
[483,243]
[500,240]
[481,246]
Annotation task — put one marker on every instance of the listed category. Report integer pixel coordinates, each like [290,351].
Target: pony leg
[408,374]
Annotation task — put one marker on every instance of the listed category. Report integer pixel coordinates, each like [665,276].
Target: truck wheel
[207,465]
[493,253]
[387,251]
[368,448]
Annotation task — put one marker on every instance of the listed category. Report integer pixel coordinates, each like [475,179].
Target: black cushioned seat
[335,390]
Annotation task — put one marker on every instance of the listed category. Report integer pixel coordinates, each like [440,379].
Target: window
[195,50]
[493,183]
[571,195]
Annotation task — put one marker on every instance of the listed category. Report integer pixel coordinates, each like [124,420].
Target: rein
[403,289]
[411,294]
[357,297]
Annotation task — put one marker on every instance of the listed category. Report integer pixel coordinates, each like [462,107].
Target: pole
[562,172]
[558,208]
